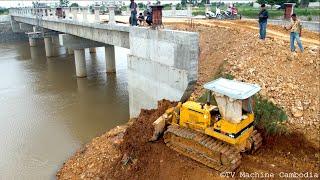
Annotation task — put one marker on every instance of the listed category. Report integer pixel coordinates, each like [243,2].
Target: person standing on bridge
[263,17]
[133,9]
[295,33]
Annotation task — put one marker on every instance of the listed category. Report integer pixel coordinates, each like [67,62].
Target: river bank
[6,33]
[125,153]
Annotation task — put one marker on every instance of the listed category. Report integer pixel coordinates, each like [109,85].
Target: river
[46,113]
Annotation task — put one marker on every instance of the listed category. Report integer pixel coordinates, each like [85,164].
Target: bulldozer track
[256,139]
[203,148]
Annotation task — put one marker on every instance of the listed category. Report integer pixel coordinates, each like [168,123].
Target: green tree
[64,3]
[74,5]
[183,2]
[304,3]
[140,5]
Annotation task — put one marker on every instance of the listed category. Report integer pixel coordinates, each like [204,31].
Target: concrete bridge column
[111,14]
[80,62]
[48,46]
[32,42]
[110,58]
[55,40]
[97,13]
[61,39]
[15,25]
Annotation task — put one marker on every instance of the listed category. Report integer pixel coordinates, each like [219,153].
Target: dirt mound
[135,142]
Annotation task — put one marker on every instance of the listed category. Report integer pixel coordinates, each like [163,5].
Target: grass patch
[269,117]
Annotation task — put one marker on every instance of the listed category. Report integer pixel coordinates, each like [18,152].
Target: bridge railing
[83,14]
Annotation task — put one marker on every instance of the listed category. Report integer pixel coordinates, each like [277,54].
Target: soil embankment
[290,81]
[6,33]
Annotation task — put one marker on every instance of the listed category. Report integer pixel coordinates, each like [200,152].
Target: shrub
[269,117]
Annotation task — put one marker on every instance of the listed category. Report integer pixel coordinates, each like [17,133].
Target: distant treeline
[4,11]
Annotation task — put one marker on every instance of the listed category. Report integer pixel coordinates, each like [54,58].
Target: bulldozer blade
[159,126]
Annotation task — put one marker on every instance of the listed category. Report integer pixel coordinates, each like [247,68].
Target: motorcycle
[230,13]
[211,15]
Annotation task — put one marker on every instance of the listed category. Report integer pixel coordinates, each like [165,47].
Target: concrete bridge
[162,63]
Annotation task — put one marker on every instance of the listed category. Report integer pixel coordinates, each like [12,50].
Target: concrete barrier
[161,65]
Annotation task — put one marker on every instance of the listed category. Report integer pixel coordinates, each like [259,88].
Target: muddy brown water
[46,113]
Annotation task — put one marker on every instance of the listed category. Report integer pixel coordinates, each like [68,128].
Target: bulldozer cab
[234,98]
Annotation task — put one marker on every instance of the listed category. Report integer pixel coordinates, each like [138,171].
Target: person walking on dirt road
[263,17]
[295,33]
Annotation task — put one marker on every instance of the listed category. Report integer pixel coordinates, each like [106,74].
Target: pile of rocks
[289,80]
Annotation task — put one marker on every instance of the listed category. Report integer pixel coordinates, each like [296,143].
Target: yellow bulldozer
[213,135]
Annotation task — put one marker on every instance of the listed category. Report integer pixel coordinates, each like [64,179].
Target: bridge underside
[162,64]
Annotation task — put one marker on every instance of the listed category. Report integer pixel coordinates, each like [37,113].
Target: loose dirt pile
[289,81]
[125,153]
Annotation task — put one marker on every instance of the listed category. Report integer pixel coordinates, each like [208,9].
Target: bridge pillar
[92,50]
[61,39]
[80,62]
[55,40]
[48,46]
[15,25]
[110,58]
[97,13]
[32,42]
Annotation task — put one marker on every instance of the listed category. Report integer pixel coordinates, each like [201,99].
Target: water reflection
[46,113]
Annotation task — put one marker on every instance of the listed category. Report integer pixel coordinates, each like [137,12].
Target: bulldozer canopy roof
[232,88]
